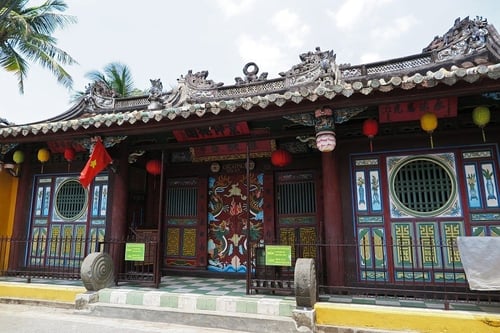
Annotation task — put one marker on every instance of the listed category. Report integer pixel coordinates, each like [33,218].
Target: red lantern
[370,129]
[69,154]
[281,158]
[153,167]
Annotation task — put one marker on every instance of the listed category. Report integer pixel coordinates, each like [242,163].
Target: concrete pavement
[20,318]
[252,313]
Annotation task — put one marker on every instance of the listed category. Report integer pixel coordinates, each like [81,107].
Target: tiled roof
[309,92]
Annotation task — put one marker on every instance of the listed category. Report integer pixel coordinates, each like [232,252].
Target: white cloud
[348,13]
[263,52]
[291,26]
[234,7]
[394,29]
[352,12]
[369,57]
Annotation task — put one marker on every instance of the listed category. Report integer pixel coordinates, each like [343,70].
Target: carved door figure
[233,208]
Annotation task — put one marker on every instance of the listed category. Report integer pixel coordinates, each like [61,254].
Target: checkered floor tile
[203,286]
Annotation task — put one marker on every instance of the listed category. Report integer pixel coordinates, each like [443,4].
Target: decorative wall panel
[65,225]
[233,207]
[411,205]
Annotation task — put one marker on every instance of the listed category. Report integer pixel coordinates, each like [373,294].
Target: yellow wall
[8,191]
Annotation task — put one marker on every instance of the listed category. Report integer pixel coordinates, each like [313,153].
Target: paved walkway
[19,318]
[223,303]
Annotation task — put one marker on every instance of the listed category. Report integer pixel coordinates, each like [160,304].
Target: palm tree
[25,36]
[5,7]
[116,77]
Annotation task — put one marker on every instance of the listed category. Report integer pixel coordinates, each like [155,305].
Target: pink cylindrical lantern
[325,141]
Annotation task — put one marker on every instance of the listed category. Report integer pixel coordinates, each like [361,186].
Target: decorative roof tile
[431,79]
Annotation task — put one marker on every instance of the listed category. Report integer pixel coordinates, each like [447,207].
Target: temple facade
[388,157]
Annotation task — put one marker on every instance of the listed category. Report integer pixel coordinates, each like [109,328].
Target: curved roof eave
[310,92]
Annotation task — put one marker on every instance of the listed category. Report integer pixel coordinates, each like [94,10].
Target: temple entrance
[234,216]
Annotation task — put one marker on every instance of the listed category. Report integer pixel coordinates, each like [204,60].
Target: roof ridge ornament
[465,37]
[100,96]
[100,88]
[251,70]
[154,94]
[199,80]
[198,86]
[313,65]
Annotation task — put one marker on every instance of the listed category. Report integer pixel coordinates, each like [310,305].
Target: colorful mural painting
[233,207]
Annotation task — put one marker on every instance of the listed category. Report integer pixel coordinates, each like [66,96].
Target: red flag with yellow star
[98,160]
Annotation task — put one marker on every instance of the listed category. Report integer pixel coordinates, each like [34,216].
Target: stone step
[254,313]
[189,302]
[203,318]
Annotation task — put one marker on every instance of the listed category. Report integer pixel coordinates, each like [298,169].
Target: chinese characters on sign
[231,151]
[407,111]
[211,132]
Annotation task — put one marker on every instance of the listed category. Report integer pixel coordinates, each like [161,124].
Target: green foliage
[116,77]
[26,36]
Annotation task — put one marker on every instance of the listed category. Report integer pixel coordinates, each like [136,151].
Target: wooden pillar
[269,236]
[21,215]
[117,220]
[333,229]
[202,228]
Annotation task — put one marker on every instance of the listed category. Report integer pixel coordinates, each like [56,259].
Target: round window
[423,187]
[71,200]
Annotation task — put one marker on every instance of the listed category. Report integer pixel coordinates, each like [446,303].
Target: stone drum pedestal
[97,271]
[305,283]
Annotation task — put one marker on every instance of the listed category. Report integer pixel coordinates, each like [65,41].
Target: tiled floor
[173,284]
[203,286]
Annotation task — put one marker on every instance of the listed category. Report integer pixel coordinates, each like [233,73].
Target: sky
[165,39]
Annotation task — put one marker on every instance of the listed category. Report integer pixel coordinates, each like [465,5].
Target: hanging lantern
[325,141]
[370,129]
[429,122]
[69,154]
[153,167]
[43,156]
[481,117]
[281,158]
[18,157]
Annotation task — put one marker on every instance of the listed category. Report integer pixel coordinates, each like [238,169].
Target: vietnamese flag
[98,160]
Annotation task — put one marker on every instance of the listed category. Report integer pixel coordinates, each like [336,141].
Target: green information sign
[134,251]
[278,255]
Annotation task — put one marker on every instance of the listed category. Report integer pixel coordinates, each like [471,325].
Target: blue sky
[165,39]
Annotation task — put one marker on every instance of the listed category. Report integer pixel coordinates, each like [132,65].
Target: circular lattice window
[71,200]
[423,187]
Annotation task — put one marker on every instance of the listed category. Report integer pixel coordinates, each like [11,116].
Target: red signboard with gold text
[233,151]
[408,111]
[212,132]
